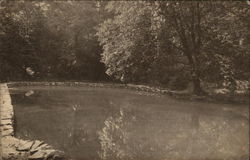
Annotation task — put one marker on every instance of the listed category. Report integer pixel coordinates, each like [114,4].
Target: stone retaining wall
[144,88]
[86,84]
[184,95]
[13,148]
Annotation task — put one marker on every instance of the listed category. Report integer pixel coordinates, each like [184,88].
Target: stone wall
[13,148]
[184,94]
[87,84]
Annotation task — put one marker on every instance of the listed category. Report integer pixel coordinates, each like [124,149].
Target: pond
[109,123]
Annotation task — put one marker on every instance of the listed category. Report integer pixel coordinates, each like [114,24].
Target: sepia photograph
[124,80]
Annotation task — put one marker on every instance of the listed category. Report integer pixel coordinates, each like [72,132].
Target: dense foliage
[177,42]
[54,39]
[154,42]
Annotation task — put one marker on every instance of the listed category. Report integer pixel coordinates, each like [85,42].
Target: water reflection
[113,137]
[96,124]
[125,137]
[29,93]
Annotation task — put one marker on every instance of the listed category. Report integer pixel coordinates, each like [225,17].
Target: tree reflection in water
[128,135]
[119,139]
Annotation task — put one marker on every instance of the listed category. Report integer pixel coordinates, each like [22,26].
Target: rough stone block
[35,145]
[24,145]
[41,154]
[6,122]
[8,132]
[6,127]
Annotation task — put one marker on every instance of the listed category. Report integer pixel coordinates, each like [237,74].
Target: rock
[7,109]
[35,145]
[6,115]
[6,122]
[42,154]
[24,145]
[41,147]
[56,155]
[38,155]
[29,93]
[165,91]
[221,91]
[8,147]
[8,132]
[15,149]
[6,127]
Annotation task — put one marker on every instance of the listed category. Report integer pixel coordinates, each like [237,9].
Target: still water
[119,124]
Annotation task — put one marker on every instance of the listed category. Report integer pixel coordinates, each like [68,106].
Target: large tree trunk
[189,32]
[197,89]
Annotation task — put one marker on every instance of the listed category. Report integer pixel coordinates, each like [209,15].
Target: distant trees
[77,21]
[156,42]
[15,51]
[201,39]
[55,39]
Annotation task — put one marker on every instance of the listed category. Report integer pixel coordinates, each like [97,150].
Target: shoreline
[13,148]
[181,95]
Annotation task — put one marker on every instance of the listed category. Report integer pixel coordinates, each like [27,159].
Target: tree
[198,36]
[129,40]
[76,22]
[55,39]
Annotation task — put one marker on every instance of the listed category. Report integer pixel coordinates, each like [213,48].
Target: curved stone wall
[13,148]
